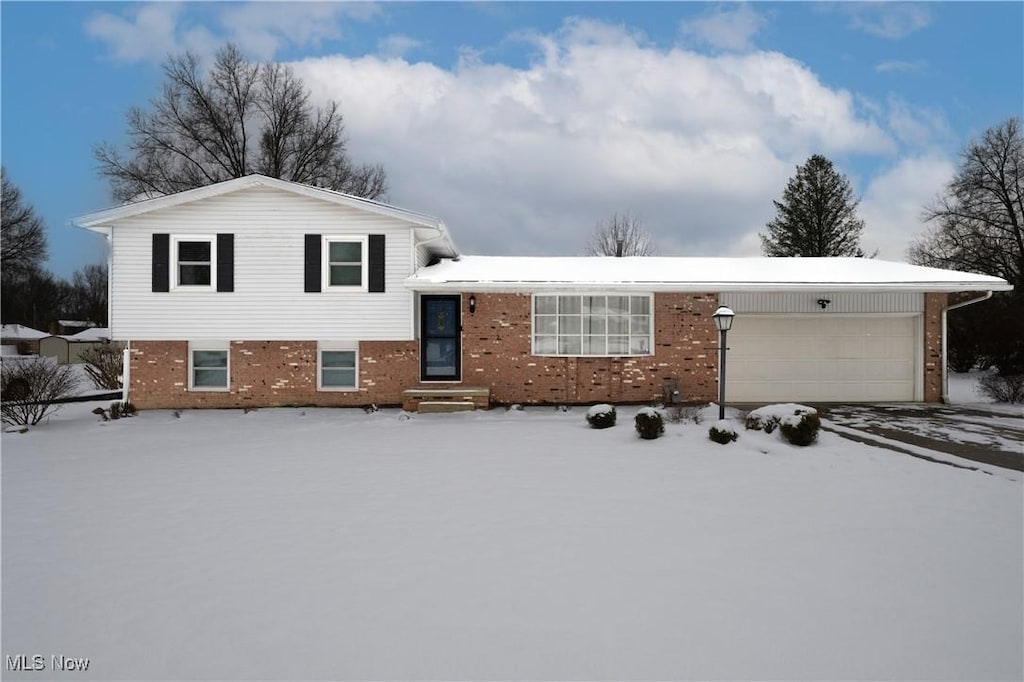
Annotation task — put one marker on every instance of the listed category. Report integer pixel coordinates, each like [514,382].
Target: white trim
[581,354]
[348,346]
[325,263]
[174,262]
[208,345]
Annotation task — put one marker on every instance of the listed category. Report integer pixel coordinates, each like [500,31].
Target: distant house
[258,292]
[68,349]
[23,340]
[70,327]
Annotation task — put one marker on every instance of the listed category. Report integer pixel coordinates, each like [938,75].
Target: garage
[828,358]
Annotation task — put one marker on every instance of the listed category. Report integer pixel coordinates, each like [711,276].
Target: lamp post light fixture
[723,321]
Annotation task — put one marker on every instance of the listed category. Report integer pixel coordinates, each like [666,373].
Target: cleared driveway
[978,434]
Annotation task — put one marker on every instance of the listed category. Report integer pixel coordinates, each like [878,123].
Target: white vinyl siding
[830,358]
[269,301]
[592,325]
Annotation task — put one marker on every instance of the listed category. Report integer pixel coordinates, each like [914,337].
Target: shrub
[104,365]
[601,416]
[122,408]
[722,432]
[675,414]
[30,388]
[769,417]
[649,423]
[1002,389]
[801,428]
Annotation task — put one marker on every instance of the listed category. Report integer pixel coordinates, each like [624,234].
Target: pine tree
[817,215]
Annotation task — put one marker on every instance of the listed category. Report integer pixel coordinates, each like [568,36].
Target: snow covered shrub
[1002,389]
[722,432]
[769,417]
[601,416]
[122,408]
[30,388]
[103,364]
[649,423]
[801,428]
[676,414]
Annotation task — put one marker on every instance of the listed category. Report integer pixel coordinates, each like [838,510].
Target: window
[193,262]
[592,325]
[337,371]
[208,367]
[344,262]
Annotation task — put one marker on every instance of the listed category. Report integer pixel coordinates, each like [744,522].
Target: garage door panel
[847,358]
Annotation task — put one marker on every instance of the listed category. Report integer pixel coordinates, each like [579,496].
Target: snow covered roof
[21,332]
[99,221]
[542,273]
[76,323]
[94,334]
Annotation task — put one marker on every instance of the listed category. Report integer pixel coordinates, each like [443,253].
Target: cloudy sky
[522,125]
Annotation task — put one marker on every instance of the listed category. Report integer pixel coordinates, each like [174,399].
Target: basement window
[606,325]
[337,367]
[208,367]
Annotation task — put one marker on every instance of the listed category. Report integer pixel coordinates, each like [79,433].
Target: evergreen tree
[817,215]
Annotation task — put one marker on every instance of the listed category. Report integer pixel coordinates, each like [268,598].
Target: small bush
[675,414]
[1002,389]
[649,423]
[722,432]
[122,408]
[104,365]
[601,416]
[31,387]
[802,428]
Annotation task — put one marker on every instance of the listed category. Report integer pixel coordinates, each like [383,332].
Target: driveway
[993,436]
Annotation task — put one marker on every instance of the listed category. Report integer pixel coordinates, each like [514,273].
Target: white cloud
[151,31]
[527,160]
[396,45]
[727,29]
[901,66]
[894,200]
[887,19]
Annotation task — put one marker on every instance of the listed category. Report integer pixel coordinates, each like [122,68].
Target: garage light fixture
[723,322]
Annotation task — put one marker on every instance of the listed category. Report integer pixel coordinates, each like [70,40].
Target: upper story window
[345,263]
[601,325]
[194,262]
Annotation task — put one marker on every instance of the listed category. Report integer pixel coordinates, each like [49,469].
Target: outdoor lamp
[472,304]
[723,321]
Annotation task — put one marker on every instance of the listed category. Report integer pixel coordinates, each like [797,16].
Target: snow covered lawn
[333,544]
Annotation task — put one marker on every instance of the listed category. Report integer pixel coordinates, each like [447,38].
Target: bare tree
[817,215]
[32,387]
[104,363]
[241,118]
[978,226]
[88,294]
[22,233]
[622,235]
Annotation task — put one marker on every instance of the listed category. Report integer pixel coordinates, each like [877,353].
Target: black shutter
[225,262]
[161,262]
[376,266]
[313,277]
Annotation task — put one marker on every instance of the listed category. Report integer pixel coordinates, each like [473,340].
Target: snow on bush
[768,417]
[649,423]
[601,416]
[801,429]
[31,388]
[722,431]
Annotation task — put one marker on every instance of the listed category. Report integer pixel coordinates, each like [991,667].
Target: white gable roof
[539,273]
[100,220]
[21,332]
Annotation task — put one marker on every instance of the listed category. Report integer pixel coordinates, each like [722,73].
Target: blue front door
[440,338]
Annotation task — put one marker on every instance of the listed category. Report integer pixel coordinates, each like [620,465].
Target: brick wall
[497,343]
[270,373]
[934,304]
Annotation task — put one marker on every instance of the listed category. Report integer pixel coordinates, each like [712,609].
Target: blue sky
[524,124]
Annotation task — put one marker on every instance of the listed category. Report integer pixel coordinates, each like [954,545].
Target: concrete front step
[444,406]
[477,396]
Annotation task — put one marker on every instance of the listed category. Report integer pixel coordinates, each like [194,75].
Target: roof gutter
[945,340]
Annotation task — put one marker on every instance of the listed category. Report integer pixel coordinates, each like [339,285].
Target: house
[70,327]
[259,292]
[68,348]
[23,340]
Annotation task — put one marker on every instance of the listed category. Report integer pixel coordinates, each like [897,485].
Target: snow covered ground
[334,544]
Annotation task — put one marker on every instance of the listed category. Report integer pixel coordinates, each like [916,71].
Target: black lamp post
[723,321]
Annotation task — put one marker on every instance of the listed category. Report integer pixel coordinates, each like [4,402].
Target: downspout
[945,341]
[126,371]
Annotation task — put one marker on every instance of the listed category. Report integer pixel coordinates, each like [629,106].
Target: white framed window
[345,260]
[337,366]
[193,259]
[208,366]
[592,324]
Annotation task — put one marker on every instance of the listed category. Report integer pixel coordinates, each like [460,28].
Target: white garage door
[807,358]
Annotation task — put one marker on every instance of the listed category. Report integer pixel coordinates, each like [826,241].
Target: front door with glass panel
[440,336]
